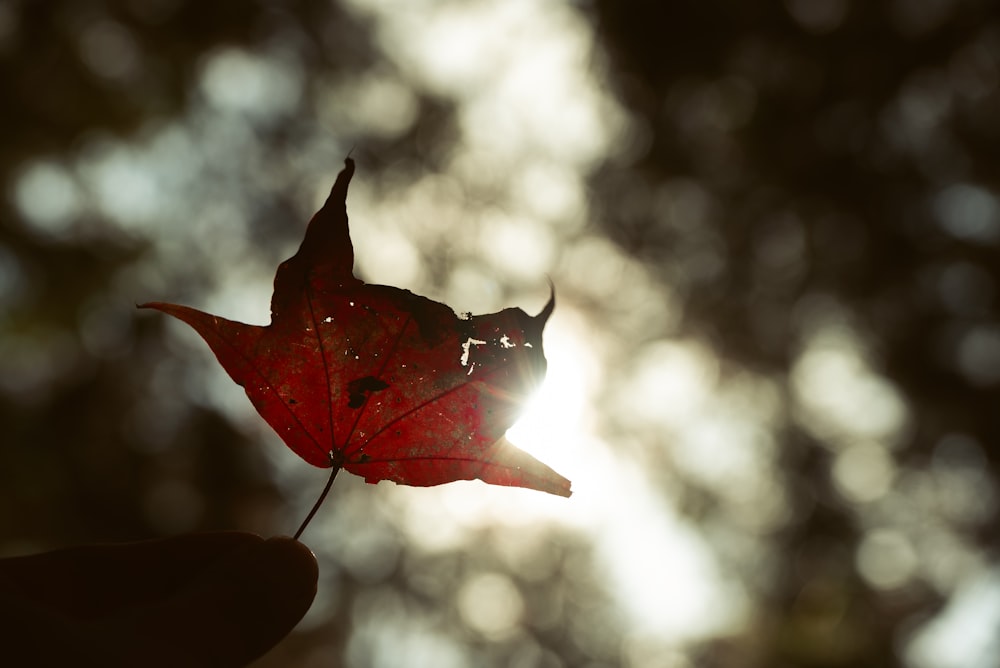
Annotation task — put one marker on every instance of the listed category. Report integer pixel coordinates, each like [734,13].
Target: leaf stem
[319,502]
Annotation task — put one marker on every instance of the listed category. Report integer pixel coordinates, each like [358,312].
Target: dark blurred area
[812,183]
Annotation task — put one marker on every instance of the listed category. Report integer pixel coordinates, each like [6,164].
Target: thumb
[232,613]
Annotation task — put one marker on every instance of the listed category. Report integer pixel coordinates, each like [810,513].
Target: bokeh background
[774,231]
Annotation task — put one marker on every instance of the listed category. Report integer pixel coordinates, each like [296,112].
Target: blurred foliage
[842,160]
[802,210]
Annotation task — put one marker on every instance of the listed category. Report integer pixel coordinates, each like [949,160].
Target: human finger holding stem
[210,599]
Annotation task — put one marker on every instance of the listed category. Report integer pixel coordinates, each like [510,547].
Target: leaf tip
[550,306]
[560,486]
[343,180]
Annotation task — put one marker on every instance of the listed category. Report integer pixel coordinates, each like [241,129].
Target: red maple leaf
[379,381]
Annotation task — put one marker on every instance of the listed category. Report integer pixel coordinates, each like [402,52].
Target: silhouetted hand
[212,599]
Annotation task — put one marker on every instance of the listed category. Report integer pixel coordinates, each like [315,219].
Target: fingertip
[282,575]
[233,612]
[296,568]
